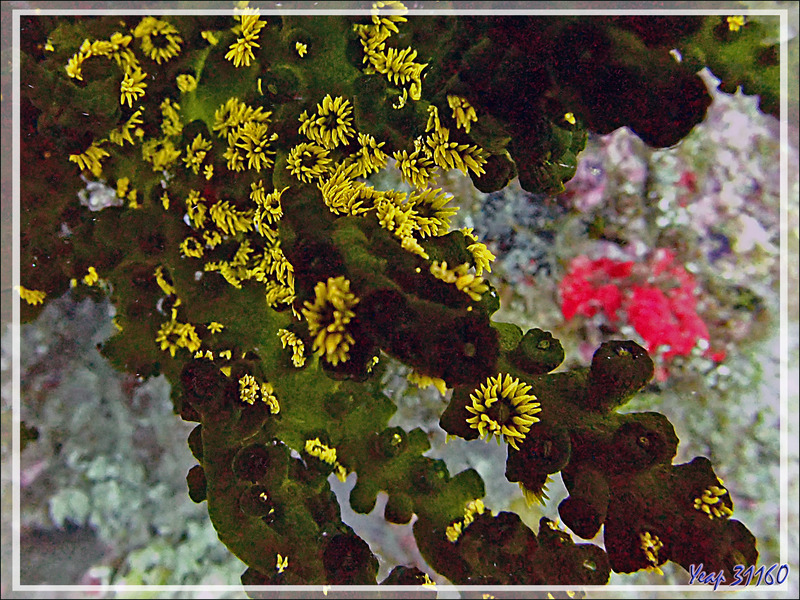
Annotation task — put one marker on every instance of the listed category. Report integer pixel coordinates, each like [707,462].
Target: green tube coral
[225,163]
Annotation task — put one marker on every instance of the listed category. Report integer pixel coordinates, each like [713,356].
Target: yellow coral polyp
[160,153]
[455,529]
[123,133]
[452,155]
[308,161]
[395,215]
[416,168]
[196,153]
[269,398]
[91,277]
[229,116]
[423,381]
[736,23]
[235,113]
[279,294]
[386,24]
[186,83]
[241,51]
[32,297]
[248,389]
[327,455]
[215,327]
[234,159]
[316,448]
[331,125]
[502,407]
[463,112]
[269,209]
[212,239]
[289,339]
[433,123]
[191,247]
[650,545]
[328,317]
[210,37]
[122,186]
[469,234]
[231,274]
[282,563]
[434,214]
[472,285]
[242,254]
[160,40]
[171,122]
[119,43]
[398,65]
[253,138]
[174,335]
[115,48]
[229,220]
[257,192]
[250,24]
[132,86]
[410,244]
[373,39]
[536,496]
[369,158]
[91,159]
[132,201]
[482,257]
[74,64]
[196,210]
[712,504]
[165,285]
[344,196]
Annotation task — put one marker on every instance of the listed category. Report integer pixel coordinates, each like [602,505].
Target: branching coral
[272,228]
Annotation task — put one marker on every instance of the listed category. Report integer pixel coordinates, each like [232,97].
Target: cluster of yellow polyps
[250,391]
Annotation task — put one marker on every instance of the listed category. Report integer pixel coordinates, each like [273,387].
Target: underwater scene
[388,294]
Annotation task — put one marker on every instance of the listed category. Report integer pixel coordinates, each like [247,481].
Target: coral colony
[233,221]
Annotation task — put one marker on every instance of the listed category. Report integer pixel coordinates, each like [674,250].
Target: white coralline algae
[97,195]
